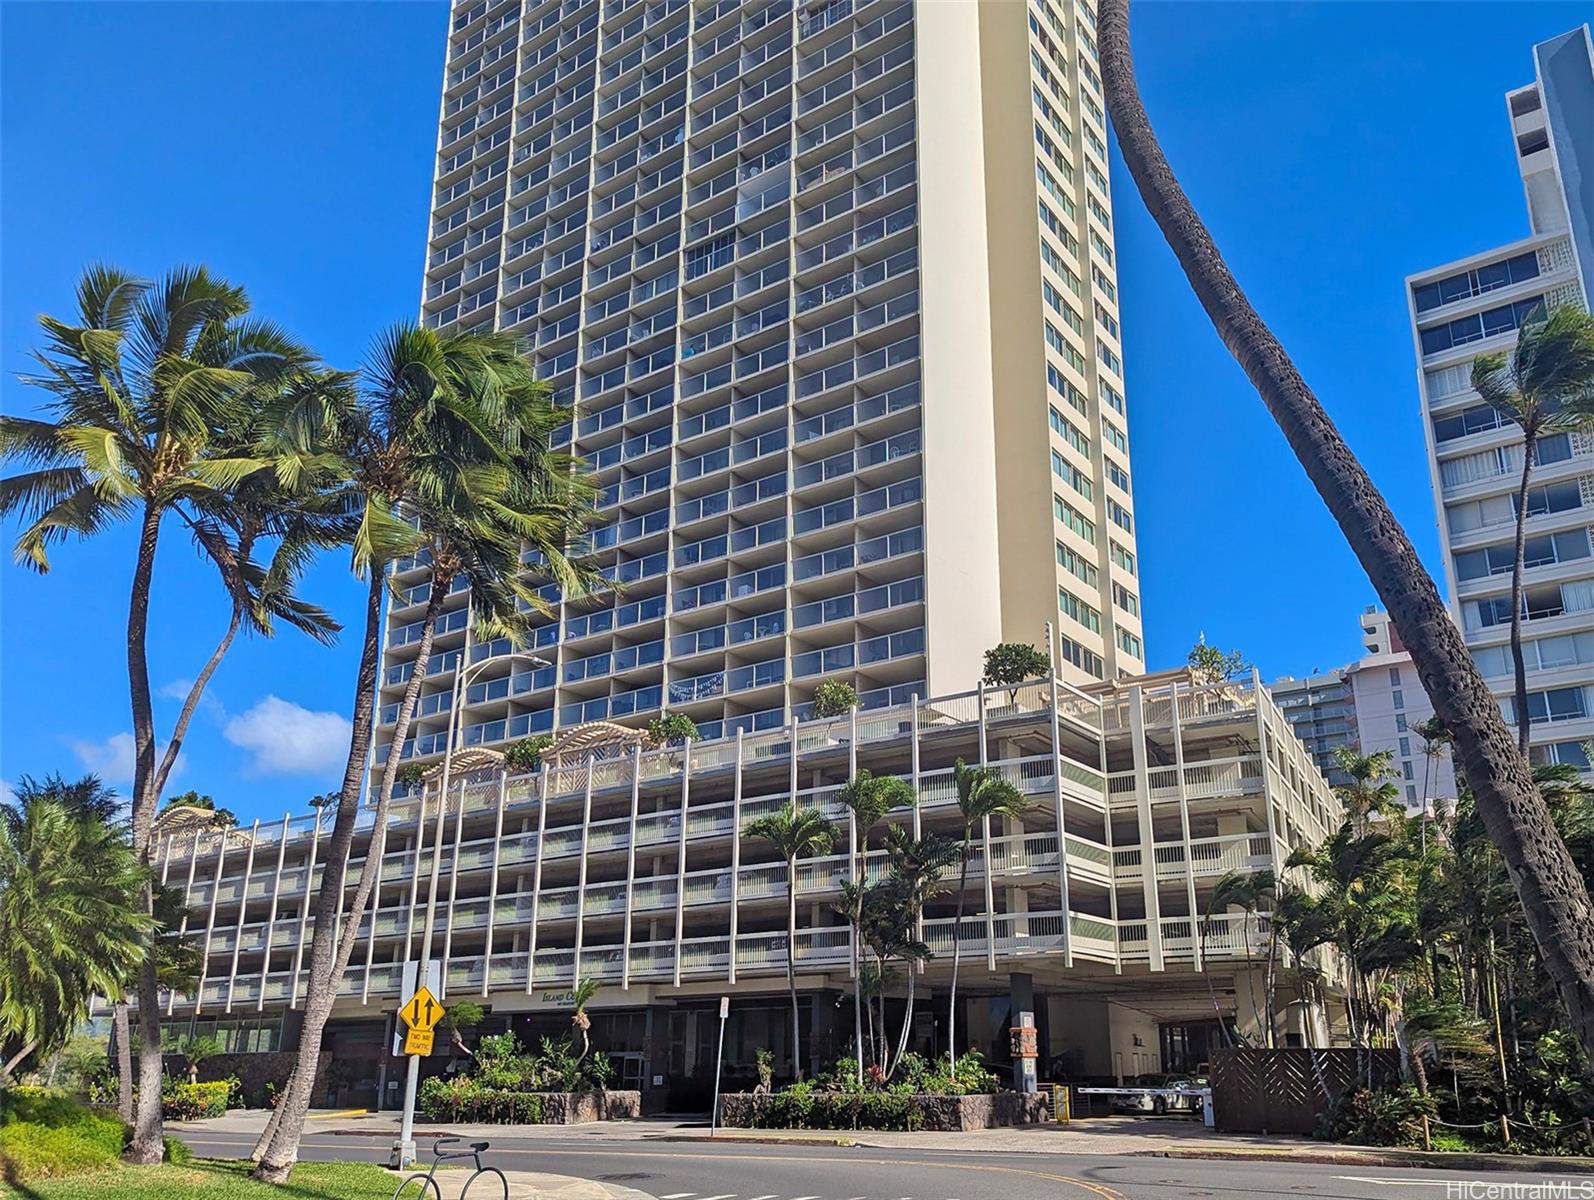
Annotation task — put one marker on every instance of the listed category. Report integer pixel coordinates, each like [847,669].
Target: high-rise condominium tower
[831,288]
[1475,453]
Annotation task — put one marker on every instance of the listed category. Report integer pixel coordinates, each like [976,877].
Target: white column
[1057,805]
[378,847]
[271,919]
[630,864]
[1148,855]
[1184,830]
[680,857]
[182,928]
[492,883]
[304,914]
[210,923]
[581,881]
[536,876]
[243,909]
[736,852]
[453,890]
[985,841]
[854,836]
[918,823]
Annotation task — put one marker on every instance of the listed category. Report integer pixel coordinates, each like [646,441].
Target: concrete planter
[583,1108]
[745,1110]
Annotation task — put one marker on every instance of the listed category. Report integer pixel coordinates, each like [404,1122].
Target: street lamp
[404,1151]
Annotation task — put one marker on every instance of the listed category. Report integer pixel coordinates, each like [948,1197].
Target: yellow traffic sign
[422,1011]
[418,1041]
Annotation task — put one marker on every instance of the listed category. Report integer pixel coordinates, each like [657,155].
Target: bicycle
[439,1155]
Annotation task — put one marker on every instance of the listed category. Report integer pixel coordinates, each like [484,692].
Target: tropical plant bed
[794,1109]
[464,1100]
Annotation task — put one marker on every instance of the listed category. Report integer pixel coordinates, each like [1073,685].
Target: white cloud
[178,689]
[112,760]
[288,739]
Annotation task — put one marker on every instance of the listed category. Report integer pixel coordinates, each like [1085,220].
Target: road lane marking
[1102,1190]
[722,1196]
[1444,1183]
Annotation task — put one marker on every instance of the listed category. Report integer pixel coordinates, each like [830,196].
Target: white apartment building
[831,288]
[1475,455]
[1390,707]
[629,866]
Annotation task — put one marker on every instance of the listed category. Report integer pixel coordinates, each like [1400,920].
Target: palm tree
[197,1049]
[580,996]
[869,797]
[152,387]
[1546,386]
[1305,923]
[443,450]
[1556,909]
[793,833]
[982,793]
[71,926]
[1245,890]
[1371,791]
[918,868]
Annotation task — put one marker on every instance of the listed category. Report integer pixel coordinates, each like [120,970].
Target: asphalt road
[742,1171]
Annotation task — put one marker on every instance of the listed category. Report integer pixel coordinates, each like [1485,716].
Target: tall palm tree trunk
[791,967]
[1555,901]
[124,1063]
[957,945]
[328,962]
[1518,666]
[196,690]
[146,1146]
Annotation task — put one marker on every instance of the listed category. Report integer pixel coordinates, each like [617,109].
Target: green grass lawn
[212,1179]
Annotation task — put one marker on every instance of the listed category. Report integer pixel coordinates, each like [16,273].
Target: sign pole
[418,1016]
[719,1065]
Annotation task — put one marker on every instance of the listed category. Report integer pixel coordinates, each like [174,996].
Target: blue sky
[1333,148]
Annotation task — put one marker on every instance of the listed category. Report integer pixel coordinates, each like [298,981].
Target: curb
[1439,1159]
[753,1139]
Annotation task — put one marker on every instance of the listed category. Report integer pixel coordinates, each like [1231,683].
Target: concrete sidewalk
[532,1185]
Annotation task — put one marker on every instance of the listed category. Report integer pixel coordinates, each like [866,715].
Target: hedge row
[195,1101]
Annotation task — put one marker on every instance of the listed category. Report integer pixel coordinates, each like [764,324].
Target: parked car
[1145,1102]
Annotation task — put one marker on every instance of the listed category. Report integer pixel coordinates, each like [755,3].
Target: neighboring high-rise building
[1322,711]
[1475,453]
[832,287]
[1376,703]
[1390,708]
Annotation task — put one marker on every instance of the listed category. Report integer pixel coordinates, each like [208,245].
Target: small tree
[580,997]
[1211,665]
[1009,664]
[672,729]
[462,1015]
[834,698]
[410,776]
[196,1049]
[526,754]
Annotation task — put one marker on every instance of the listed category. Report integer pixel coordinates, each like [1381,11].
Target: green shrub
[44,1135]
[1386,1117]
[235,1092]
[194,1101]
[177,1152]
[464,1099]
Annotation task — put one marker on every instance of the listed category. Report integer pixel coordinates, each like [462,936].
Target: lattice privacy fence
[1285,1091]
